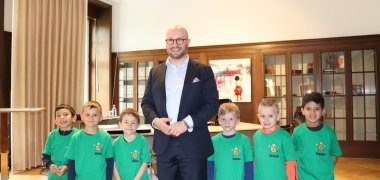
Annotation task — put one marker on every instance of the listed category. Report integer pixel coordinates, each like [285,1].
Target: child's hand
[61,170]
[53,168]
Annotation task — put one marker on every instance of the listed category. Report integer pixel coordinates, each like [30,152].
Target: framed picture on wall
[233,78]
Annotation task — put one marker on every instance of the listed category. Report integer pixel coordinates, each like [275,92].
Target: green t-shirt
[56,146]
[90,153]
[315,152]
[129,156]
[271,152]
[230,155]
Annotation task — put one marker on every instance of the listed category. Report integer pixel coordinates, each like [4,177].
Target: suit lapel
[191,73]
[161,79]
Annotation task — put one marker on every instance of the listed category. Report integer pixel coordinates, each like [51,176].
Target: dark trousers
[174,165]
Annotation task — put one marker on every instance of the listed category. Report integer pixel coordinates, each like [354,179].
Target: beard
[177,55]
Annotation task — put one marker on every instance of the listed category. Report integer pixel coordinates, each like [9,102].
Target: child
[232,158]
[58,141]
[273,147]
[131,150]
[90,151]
[315,141]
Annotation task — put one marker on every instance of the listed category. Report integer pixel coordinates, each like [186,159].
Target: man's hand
[162,126]
[61,170]
[53,168]
[178,128]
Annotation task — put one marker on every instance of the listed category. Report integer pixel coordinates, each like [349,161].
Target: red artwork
[238,90]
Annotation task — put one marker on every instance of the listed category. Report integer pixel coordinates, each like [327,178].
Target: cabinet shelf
[133,75]
[295,75]
[333,71]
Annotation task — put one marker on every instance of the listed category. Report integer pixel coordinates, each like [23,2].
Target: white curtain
[48,51]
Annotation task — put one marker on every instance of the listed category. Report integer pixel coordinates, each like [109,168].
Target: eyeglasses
[178,41]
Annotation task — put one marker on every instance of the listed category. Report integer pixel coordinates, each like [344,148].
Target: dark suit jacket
[199,100]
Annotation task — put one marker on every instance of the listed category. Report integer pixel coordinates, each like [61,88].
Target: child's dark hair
[65,106]
[132,112]
[313,97]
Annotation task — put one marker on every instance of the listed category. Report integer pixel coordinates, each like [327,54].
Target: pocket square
[196,80]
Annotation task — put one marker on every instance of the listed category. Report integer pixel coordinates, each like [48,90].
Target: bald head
[177,44]
[177,29]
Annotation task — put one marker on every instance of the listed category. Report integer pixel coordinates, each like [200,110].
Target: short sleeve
[295,139]
[247,150]
[211,158]
[145,155]
[47,149]
[335,147]
[70,153]
[289,148]
[114,148]
[253,145]
[108,149]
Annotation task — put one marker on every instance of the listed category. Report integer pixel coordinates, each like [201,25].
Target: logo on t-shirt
[320,149]
[236,154]
[98,148]
[274,148]
[135,155]
[321,146]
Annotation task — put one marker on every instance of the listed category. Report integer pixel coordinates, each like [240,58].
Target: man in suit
[179,99]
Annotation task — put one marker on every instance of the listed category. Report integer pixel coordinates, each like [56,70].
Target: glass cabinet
[133,77]
[333,89]
[302,69]
[126,93]
[364,95]
[275,82]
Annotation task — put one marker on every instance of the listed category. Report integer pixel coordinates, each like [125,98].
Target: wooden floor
[357,168]
[346,169]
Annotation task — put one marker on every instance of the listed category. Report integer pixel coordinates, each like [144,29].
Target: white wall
[8,15]
[141,24]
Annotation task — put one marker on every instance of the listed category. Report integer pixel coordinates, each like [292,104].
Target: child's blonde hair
[227,108]
[130,111]
[91,105]
[270,102]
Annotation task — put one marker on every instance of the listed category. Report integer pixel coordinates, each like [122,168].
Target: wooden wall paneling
[349,101]
[114,70]
[100,47]
[317,71]
[2,75]
[5,89]
[1,28]
[203,58]
[92,62]
[5,86]
[315,46]
[289,95]
[377,65]
[257,82]
[104,48]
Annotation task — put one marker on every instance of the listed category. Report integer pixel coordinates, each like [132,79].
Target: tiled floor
[346,169]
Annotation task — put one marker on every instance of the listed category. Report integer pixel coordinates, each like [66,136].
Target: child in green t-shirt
[90,151]
[273,147]
[57,142]
[131,150]
[232,158]
[316,142]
